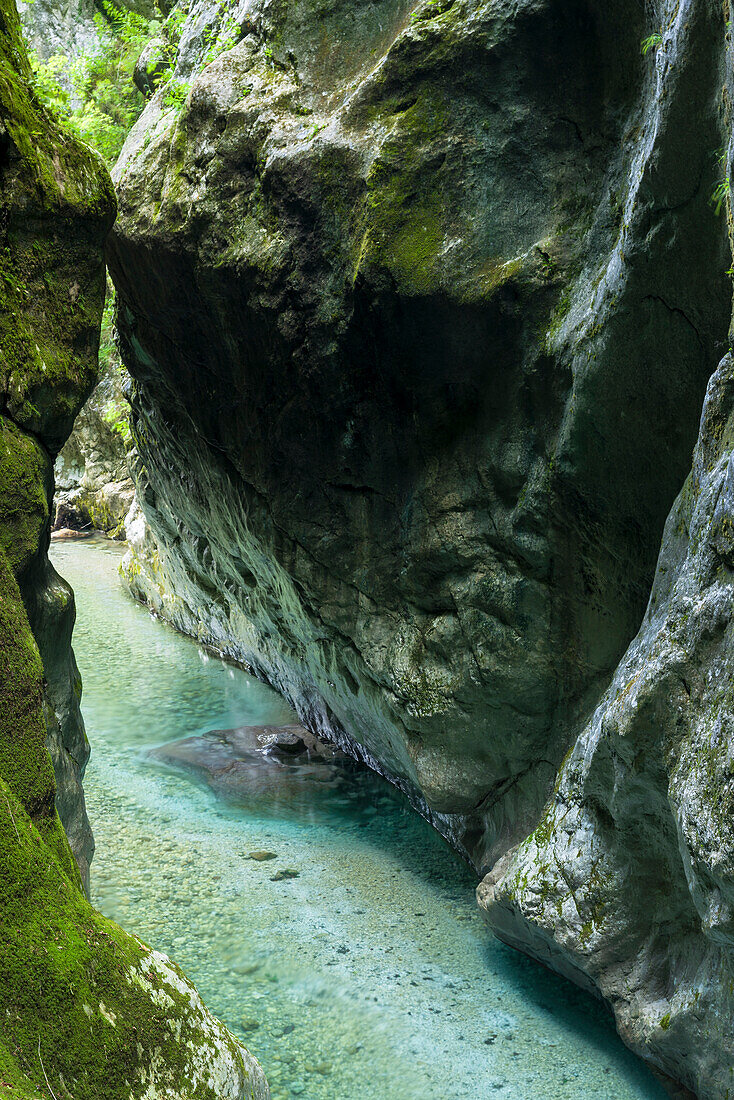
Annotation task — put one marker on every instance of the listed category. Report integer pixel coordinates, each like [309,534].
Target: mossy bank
[87,1011]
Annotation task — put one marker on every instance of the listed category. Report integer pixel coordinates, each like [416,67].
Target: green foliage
[722,191]
[218,39]
[117,415]
[175,93]
[651,43]
[174,25]
[116,411]
[94,95]
[721,194]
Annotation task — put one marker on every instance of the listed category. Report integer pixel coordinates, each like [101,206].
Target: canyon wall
[420,301]
[627,883]
[94,488]
[87,1010]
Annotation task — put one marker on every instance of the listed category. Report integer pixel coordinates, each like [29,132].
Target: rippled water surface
[371,973]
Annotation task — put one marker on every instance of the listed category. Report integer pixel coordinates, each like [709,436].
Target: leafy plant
[651,43]
[219,40]
[174,25]
[175,93]
[94,95]
[721,194]
[722,191]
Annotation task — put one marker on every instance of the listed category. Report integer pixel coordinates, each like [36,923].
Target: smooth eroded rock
[87,1010]
[627,884]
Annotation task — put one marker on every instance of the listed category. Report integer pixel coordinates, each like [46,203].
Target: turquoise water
[370,973]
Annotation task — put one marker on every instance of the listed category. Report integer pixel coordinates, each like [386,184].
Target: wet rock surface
[627,884]
[258,761]
[419,336]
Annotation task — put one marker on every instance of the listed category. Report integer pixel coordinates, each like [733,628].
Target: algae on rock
[88,1011]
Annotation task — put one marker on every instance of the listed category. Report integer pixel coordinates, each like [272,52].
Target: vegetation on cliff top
[94,95]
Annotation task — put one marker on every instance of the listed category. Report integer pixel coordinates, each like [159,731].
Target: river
[368,974]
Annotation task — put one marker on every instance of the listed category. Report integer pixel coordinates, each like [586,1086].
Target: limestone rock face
[60,28]
[67,28]
[419,335]
[152,66]
[628,881]
[87,1010]
[93,483]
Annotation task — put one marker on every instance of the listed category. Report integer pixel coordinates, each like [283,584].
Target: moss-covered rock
[87,1010]
[25,479]
[50,182]
[58,205]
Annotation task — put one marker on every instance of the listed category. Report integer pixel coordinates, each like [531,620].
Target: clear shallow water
[369,974]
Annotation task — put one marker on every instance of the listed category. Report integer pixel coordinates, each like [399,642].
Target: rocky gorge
[420,335]
[85,1005]
[421,303]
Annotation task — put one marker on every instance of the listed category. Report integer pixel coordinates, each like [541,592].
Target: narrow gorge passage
[372,965]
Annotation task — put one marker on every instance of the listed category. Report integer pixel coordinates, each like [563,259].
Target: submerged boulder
[277,767]
[87,1011]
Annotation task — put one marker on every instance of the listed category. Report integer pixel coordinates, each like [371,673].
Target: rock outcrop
[627,883]
[87,1010]
[94,488]
[419,335]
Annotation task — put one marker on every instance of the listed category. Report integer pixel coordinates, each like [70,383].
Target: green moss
[24,476]
[586,932]
[544,831]
[51,281]
[87,1011]
[24,762]
[99,1004]
[665,1022]
[407,212]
